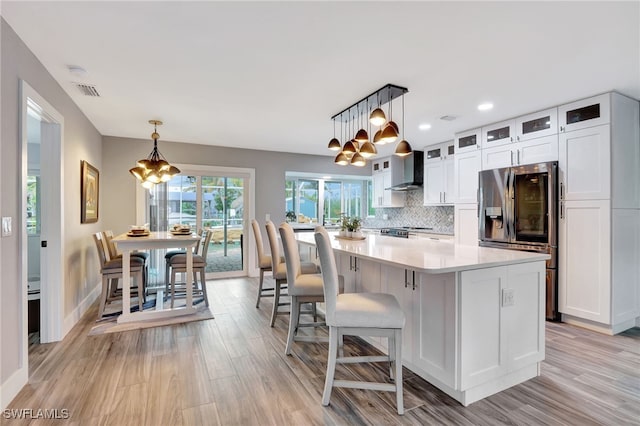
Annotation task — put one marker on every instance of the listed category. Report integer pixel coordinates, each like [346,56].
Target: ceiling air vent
[87,89]
[448,117]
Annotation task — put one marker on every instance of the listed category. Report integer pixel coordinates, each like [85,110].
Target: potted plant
[291,216]
[344,224]
[355,224]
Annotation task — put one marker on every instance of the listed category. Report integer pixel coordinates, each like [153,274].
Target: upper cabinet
[585,113]
[470,140]
[498,134]
[439,174]
[386,172]
[536,125]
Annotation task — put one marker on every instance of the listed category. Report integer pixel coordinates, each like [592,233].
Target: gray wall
[81,142]
[120,154]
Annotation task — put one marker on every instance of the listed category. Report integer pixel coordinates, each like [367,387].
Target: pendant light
[377,117]
[403,148]
[390,131]
[334,144]
[358,160]
[361,136]
[155,168]
[368,150]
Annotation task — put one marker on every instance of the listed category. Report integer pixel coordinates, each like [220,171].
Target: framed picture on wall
[89,190]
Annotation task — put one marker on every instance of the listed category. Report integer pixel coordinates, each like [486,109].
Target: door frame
[249,251]
[52,183]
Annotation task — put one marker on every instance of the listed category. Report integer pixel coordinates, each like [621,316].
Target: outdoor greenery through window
[33,205]
[324,199]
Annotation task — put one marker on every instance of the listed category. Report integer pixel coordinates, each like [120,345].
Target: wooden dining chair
[113,253]
[111,271]
[178,264]
[359,314]
[264,263]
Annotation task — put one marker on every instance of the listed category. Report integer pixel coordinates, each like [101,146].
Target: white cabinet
[584,259]
[585,164]
[401,283]
[585,113]
[599,226]
[466,168]
[466,224]
[439,175]
[387,172]
[536,125]
[498,134]
[360,275]
[530,151]
[468,141]
[499,333]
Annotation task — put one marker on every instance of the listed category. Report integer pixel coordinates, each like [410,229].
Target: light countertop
[425,254]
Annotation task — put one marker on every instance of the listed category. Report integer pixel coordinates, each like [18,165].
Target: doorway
[41,234]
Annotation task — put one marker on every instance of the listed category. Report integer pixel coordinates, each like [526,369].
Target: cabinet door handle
[518,138]
[562,128]
[512,158]
[561,209]
[406,280]
[444,197]
[351,263]
[414,280]
[518,157]
[511,138]
[561,191]
[355,264]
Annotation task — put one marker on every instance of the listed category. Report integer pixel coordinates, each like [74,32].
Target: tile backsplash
[440,218]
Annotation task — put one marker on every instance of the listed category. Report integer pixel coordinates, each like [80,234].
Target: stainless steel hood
[413,173]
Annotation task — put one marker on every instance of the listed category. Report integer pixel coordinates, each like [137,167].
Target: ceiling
[269,75]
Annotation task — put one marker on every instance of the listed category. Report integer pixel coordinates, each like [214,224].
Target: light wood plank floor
[232,370]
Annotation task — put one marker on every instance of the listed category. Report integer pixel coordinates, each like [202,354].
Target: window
[33,205]
[322,199]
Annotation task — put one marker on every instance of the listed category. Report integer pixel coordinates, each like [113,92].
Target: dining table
[127,243]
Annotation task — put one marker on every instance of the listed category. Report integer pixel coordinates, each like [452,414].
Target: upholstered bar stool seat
[178,264]
[279,271]
[359,314]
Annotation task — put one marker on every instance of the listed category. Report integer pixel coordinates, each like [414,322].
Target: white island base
[475,316]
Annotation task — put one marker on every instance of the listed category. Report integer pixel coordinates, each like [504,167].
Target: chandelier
[357,149]
[155,168]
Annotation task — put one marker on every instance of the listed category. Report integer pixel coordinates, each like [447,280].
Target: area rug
[110,324]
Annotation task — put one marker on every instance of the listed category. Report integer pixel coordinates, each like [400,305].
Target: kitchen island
[475,315]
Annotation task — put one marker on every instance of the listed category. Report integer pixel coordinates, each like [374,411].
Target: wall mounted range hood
[413,173]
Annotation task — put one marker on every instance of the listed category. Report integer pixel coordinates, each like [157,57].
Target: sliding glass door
[202,201]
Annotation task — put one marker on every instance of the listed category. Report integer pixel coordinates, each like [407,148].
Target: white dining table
[155,240]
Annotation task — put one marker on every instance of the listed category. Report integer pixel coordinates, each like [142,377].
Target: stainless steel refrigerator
[518,210]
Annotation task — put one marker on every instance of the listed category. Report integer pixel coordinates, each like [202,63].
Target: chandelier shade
[155,168]
[359,148]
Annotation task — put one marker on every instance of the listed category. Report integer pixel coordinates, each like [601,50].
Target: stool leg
[140,283]
[294,319]
[260,287]
[398,364]
[331,365]
[173,286]
[166,277]
[204,286]
[103,296]
[276,301]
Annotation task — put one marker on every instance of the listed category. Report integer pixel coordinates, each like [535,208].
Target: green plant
[354,224]
[344,221]
[291,216]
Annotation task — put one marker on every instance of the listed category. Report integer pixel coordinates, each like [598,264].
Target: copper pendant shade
[359,148]
[155,168]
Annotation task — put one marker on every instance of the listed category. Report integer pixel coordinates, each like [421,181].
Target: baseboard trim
[13,385]
[73,318]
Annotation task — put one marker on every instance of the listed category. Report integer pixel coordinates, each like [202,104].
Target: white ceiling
[269,75]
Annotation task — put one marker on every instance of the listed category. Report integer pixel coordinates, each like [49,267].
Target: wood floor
[232,370]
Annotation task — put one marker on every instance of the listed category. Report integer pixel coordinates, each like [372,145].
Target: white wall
[81,142]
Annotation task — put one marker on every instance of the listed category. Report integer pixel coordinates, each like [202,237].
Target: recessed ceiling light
[485,107]
[448,117]
[424,126]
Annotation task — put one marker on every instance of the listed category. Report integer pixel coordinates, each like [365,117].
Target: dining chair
[178,264]
[279,270]
[264,263]
[111,271]
[113,253]
[170,254]
[303,288]
[359,314]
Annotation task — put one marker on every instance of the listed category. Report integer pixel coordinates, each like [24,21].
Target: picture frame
[89,193]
